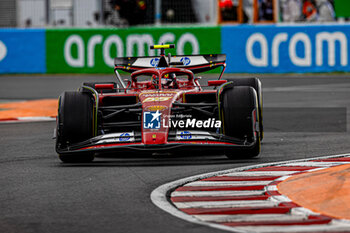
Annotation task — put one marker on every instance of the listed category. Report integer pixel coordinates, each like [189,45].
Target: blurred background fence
[84,36]
[124,13]
[97,13]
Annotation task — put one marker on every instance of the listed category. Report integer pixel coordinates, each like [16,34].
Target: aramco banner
[282,49]
[249,48]
[94,50]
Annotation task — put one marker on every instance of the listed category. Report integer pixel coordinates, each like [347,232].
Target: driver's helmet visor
[166,79]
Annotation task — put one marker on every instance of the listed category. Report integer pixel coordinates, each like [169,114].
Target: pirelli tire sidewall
[238,105]
[74,123]
[256,84]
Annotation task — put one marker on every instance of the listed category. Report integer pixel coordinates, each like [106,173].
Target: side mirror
[216,82]
[197,79]
[128,82]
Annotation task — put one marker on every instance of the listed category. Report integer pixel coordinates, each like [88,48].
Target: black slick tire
[239,104]
[74,124]
[256,84]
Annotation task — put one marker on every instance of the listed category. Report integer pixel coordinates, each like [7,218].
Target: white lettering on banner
[113,39]
[139,41]
[97,39]
[78,41]
[331,38]
[306,60]
[279,38]
[3,51]
[187,38]
[296,60]
[256,61]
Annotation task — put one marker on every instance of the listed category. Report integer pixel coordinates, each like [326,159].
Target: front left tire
[74,125]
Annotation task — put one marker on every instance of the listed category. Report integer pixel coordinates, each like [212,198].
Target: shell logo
[160,99]
[156,107]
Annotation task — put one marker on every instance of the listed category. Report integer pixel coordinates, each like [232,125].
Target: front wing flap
[131,141]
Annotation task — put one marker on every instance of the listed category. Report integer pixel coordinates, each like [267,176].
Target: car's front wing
[129,142]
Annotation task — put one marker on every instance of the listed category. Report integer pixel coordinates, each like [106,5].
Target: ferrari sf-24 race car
[162,109]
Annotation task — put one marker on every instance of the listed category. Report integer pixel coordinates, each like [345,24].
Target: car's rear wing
[195,63]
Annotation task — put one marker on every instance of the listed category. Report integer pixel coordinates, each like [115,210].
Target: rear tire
[74,124]
[256,84]
[238,106]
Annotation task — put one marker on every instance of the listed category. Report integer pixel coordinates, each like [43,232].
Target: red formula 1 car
[161,109]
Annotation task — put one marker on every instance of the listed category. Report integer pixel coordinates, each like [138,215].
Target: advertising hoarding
[94,50]
[286,49]
[22,51]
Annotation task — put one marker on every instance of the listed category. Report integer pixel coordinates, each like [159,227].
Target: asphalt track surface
[40,194]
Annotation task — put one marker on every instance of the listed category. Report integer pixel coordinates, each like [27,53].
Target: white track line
[215,193]
[302,210]
[225,204]
[250,217]
[280,198]
[27,119]
[271,188]
[318,164]
[294,229]
[282,178]
[261,173]
[227,183]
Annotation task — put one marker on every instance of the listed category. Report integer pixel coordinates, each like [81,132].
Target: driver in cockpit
[169,81]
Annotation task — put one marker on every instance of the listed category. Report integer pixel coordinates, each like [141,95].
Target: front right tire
[256,84]
[239,108]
